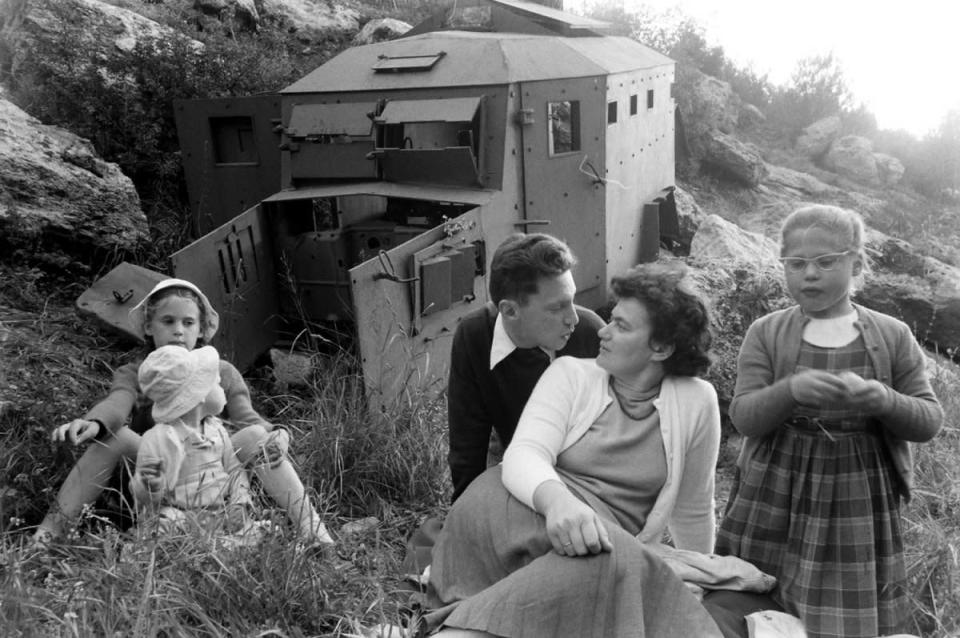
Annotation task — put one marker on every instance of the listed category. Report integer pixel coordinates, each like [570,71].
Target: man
[499,351]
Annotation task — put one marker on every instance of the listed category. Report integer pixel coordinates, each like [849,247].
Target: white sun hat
[177,379]
[138,314]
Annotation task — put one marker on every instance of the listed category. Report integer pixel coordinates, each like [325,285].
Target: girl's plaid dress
[818,506]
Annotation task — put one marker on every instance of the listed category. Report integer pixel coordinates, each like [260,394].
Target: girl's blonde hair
[844,224]
[150,309]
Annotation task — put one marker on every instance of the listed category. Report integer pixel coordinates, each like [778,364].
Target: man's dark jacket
[480,399]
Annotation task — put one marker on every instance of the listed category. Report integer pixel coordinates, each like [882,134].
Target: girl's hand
[151,474]
[77,431]
[274,448]
[870,397]
[236,517]
[818,388]
[573,527]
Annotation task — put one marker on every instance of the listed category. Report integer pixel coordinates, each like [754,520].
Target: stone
[109,30]
[750,117]
[922,291]
[817,138]
[799,183]
[890,170]
[737,159]
[852,156]
[311,19]
[57,194]
[690,216]
[380,30]
[718,240]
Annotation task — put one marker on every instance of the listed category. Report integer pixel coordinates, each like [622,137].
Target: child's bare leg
[86,481]
[281,482]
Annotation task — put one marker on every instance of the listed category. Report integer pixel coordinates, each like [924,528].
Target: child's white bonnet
[177,379]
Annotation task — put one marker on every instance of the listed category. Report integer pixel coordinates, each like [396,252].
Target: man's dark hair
[521,261]
[678,314]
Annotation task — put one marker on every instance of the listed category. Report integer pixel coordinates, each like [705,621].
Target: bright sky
[902,59]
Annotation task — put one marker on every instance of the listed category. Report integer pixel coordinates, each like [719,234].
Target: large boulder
[922,291]
[797,183]
[890,170]
[720,241]
[738,273]
[379,30]
[311,20]
[737,159]
[29,27]
[750,116]
[852,156]
[239,13]
[706,105]
[816,139]
[690,216]
[58,196]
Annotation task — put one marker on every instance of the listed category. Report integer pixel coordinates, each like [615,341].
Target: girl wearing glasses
[828,396]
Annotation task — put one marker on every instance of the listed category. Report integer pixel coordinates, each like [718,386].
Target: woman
[608,455]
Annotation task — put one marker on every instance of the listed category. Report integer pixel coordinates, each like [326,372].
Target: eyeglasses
[826,262]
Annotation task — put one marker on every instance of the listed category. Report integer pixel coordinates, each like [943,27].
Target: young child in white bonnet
[186,470]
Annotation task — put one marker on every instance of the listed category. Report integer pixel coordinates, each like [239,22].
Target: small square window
[233,141]
[633,104]
[611,112]
[564,130]
[650,98]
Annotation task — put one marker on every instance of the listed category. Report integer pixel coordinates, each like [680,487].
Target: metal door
[230,154]
[560,187]
[233,266]
[405,343]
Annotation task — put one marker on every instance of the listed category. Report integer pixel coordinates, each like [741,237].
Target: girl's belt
[833,428]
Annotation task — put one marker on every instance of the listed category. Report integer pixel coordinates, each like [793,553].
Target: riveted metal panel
[453,166]
[457,109]
[110,298]
[218,190]
[562,188]
[331,119]
[333,161]
[233,266]
[404,351]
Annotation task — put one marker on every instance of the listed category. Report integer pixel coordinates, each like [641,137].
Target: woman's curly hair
[678,314]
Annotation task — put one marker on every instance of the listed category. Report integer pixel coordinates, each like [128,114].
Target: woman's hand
[573,527]
[77,431]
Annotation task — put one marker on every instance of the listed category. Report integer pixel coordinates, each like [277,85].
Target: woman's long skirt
[494,570]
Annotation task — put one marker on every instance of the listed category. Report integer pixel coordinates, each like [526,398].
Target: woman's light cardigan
[570,396]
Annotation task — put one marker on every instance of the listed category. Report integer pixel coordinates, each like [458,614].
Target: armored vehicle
[374,190]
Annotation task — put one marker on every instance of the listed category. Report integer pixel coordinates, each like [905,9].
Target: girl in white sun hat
[177,313]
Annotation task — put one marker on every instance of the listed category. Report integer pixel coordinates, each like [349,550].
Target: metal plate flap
[459,109]
[111,297]
[450,166]
[233,266]
[405,350]
[331,119]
